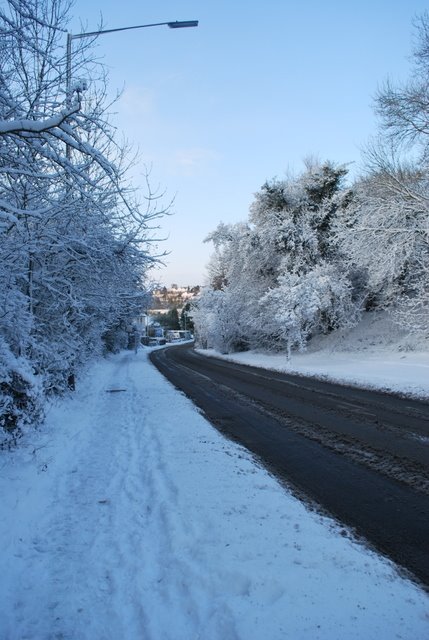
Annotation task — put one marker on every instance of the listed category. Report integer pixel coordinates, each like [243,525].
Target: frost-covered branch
[24,126]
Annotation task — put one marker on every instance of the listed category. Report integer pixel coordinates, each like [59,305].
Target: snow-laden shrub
[302,305]
[221,319]
[21,398]
[115,339]
[412,310]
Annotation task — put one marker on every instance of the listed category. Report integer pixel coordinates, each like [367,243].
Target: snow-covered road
[128,517]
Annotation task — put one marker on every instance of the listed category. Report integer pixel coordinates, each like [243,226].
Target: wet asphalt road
[361,456]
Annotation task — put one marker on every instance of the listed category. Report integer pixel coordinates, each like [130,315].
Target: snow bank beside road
[130,517]
[403,373]
[375,354]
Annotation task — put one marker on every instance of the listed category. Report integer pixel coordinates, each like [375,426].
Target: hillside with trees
[174,296]
[317,252]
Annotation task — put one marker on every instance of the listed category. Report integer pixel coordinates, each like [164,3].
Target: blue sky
[257,87]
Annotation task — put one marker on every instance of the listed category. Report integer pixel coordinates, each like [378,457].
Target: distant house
[141,322]
[176,336]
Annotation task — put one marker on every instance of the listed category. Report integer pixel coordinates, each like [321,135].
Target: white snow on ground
[375,354]
[128,517]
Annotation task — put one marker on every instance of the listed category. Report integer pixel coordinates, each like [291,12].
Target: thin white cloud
[137,102]
[189,162]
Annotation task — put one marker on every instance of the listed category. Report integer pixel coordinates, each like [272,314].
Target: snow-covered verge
[129,516]
[375,354]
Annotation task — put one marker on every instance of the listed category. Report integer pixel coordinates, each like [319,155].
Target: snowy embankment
[375,354]
[128,516]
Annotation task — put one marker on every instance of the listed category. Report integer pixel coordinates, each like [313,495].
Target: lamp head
[183,24]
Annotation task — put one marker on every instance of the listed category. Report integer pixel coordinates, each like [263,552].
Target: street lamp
[76,36]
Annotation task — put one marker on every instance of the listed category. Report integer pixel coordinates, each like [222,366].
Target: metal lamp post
[77,36]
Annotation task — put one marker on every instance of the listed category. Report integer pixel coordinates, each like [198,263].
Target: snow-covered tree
[404,109]
[230,299]
[294,217]
[386,230]
[385,233]
[74,240]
